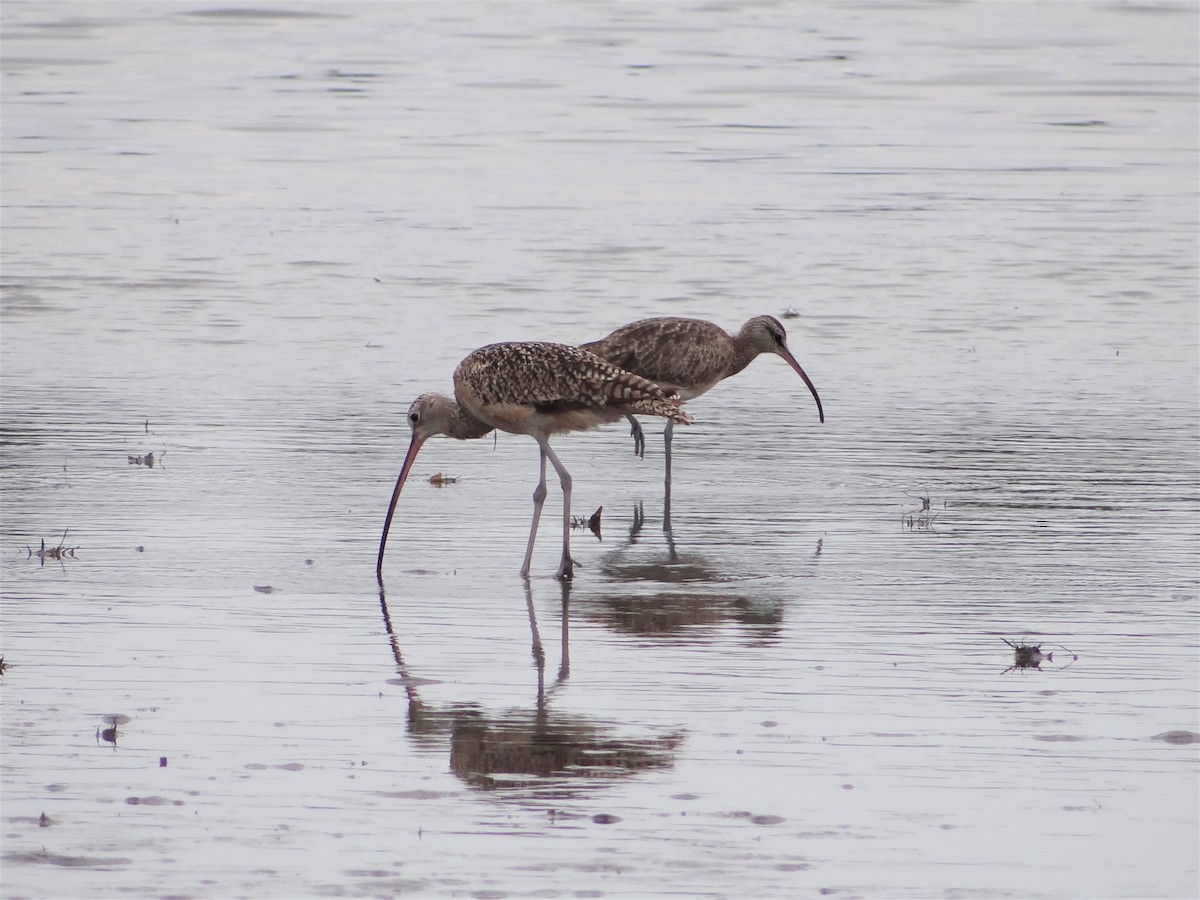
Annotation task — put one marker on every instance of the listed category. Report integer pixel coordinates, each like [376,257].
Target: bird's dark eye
[778,336]
[414,418]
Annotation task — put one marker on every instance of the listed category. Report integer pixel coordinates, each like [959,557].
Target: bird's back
[536,387]
[687,355]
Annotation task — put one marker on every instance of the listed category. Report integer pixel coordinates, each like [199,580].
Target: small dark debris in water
[264,588]
[3,664]
[1178,737]
[605,819]
[139,549]
[439,480]
[162,762]
[308,562]
[768,820]
[1031,656]
[820,544]
[146,459]
[1080,123]
[44,821]
[114,721]
[1026,656]
[60,552]
[592,523]
[922,519]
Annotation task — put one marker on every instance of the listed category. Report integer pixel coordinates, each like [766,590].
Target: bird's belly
[522,419]
[691,392]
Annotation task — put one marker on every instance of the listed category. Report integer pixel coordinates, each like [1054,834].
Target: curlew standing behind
[690,356]
[538,389]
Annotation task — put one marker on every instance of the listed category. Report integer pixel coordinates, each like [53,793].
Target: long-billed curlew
[538,389]
[690,356]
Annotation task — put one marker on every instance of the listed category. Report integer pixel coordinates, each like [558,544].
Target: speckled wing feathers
[552,378]
[674,353]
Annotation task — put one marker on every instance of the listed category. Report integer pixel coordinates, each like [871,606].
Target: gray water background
[243,239]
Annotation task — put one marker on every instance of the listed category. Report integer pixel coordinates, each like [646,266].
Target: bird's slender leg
[668,434]
[539,655]
[539,497]
[639,518]
[564,669]
[639,438]
[566,567]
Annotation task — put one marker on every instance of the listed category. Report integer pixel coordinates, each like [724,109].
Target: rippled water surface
[242,239]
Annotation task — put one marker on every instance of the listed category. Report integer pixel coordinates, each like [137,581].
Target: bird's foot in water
[566,569]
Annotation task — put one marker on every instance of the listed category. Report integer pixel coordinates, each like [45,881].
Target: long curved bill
[791,361]
[413,447]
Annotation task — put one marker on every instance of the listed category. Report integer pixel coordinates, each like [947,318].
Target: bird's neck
[744,353]
[465,427]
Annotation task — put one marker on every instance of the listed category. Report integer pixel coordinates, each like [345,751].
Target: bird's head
[766,334]
[430,414]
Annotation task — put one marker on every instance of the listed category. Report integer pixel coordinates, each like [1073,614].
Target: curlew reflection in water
[673,593]
[555,752]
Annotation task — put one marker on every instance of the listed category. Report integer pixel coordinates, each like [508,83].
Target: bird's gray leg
[539,655]
[667,436]
[566,567]
[564,669]
[639,517]
[539,497]
[639,439]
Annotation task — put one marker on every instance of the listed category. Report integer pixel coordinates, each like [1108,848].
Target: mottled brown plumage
[690,356]
[538,389]
[552,388]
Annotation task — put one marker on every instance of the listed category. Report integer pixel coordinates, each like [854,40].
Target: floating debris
[1031,656]
[592,523]
[110,734]
[1026,656]
[146,459]
[3,664]
[44,553]
[920,519]
[440,480]
[790,313]
[264,588]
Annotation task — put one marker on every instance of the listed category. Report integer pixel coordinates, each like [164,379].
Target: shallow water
[243,239]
